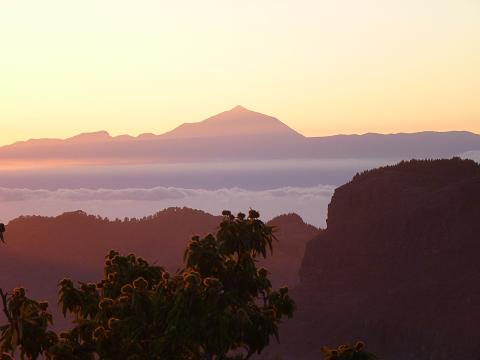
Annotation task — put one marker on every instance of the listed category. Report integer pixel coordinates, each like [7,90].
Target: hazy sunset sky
[322,67]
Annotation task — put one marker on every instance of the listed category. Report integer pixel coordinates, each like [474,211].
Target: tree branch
[5,308]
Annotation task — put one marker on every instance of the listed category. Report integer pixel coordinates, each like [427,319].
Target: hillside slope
[396,267]
[42,250]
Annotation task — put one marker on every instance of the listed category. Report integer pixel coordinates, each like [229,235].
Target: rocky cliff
[398,266]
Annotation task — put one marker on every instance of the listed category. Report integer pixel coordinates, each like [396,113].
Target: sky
[322,67]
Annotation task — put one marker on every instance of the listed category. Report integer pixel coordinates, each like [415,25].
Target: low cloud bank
[309,202]
[473,155]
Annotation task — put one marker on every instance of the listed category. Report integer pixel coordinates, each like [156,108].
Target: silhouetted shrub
[348,352]
[219,306]
[27,325]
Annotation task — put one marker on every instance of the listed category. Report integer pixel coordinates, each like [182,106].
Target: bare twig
[4,295]
[2,230]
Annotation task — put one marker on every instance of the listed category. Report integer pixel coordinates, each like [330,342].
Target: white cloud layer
[474,155]
[309,202]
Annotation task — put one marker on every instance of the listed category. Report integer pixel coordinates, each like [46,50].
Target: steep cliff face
[398,266]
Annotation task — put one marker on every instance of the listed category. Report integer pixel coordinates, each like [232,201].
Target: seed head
[66,283]
[43,305]
[113,322]
[99,332]
[212,282]
[105,303]
[19,292]
[140,283]
[127,289]
[263,272]
[360,345]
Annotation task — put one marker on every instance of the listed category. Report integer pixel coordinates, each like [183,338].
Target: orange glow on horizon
[321,67]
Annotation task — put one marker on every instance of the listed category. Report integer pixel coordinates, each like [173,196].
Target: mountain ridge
[225,116]
[41,250]
[240,134]
[228,117]
[150,136]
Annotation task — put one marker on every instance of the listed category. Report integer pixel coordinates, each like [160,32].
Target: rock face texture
[397,267]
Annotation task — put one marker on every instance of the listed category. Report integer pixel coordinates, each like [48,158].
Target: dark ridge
[42,250]
[396,266]
[443,169]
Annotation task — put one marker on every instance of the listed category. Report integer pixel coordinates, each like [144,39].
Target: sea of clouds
[309,202]
[272,187]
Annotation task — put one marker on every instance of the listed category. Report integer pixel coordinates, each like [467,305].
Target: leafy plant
[219,306]
[27,325]
[347,352]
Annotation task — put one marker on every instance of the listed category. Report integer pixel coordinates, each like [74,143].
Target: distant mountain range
[239,134]
[41,250]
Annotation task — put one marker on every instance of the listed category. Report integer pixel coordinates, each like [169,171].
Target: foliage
[219,306]
[427,170]
[27,325]
[347,352]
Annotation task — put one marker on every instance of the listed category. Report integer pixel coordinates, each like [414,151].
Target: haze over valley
[236,159]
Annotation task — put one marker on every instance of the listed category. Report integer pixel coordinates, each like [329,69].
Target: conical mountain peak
[239,108]
[235,122]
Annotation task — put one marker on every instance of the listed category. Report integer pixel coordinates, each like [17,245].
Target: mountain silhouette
[233,123]
[239,134]
[42,250]
[397,266]
[91,137]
